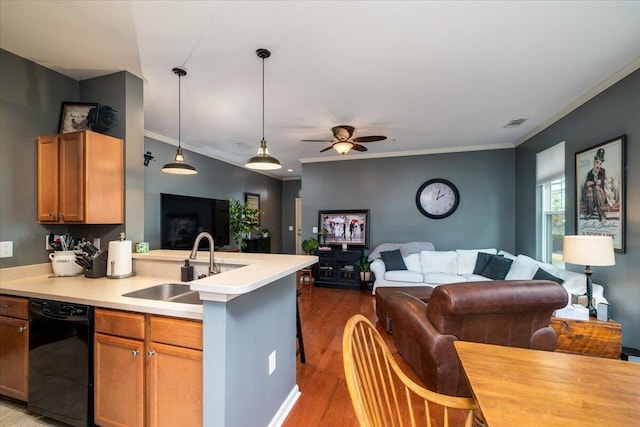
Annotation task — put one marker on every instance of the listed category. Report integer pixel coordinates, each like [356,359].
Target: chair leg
[300,350]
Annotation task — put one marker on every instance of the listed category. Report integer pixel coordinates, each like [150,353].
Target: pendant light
[178,166]
[263,161]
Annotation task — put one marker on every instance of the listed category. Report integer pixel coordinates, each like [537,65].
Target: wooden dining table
[522,387]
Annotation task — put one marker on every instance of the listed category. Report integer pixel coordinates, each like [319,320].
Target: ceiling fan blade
[326,149]
[371,138]
[316,140]
[359,147]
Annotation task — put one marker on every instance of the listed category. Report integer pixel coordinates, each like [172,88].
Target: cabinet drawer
[180,332]
[589,337]
[14,307]
[121,323]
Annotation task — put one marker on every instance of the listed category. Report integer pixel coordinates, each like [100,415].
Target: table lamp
[588,251]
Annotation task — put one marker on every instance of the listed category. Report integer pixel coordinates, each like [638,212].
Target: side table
[588,337]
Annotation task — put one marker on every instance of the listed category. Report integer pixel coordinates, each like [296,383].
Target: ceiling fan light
[343,147]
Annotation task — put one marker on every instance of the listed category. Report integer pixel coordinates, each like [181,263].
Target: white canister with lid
[64,263]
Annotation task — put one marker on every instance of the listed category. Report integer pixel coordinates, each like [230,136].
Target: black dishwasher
[61,361]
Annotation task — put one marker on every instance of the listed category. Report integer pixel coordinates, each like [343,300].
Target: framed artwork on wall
[350,227]
[73,116]
[600,191]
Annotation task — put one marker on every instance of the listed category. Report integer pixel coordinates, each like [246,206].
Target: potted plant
[365,269]
[310,244]
[242,221]
[265,232]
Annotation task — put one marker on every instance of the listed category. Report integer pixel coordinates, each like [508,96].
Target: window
[551,207]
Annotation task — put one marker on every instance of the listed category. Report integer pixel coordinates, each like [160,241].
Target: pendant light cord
[263,99]
[179,108]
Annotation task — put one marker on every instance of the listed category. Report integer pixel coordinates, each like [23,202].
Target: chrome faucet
[194,251]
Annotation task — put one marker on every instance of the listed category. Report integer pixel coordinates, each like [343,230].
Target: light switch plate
[6,249]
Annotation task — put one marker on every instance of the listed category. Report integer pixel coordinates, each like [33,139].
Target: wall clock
[437,198]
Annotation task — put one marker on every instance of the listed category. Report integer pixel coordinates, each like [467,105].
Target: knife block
[98,266]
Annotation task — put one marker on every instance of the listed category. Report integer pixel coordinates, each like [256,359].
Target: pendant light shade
[178,166]
[263,161]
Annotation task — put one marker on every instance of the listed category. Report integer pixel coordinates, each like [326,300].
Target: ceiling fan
[343,140]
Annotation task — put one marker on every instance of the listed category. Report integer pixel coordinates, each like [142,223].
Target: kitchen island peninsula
[248,314]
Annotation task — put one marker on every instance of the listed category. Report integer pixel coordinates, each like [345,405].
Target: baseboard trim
[286,407]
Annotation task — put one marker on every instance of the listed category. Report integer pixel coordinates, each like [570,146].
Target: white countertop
[259,270]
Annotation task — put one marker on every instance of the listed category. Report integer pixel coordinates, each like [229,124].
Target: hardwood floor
[325,399]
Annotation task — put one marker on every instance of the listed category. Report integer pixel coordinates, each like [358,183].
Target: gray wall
[614,112]
[290,191]
[387,187]
[215,180]
[30,100]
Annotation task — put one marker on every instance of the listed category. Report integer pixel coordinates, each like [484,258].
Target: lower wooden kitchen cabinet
[14,347]
[148,370]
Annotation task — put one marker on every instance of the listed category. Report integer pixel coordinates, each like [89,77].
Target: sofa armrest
[430,353]
[378,268]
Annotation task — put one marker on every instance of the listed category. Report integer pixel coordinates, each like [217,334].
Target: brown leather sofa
[509,313]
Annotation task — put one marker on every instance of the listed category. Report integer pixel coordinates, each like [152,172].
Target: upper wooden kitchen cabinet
[80,178]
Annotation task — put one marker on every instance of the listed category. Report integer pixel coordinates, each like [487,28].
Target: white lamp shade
[588,250]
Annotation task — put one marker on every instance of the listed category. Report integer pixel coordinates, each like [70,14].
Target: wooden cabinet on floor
[14,347]
[80,179]
[148,370]
[588,337]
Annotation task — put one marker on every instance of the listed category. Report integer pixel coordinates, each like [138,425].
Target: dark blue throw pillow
[481,262]
[545,275]
[497,268]
[393,260]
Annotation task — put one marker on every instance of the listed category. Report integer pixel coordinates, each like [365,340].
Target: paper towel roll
[119,259]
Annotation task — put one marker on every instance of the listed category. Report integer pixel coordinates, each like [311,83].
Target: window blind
[550,164]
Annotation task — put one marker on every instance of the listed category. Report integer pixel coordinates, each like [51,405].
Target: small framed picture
[600,191]
[73,116]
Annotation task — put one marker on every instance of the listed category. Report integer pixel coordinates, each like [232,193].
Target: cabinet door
[175,386]
[118,381]
[72,176]
[48,178]
[14,356]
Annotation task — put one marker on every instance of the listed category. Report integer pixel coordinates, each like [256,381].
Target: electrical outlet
[96,242]
[272,362]
[6,251]
[291,228]
[315,230]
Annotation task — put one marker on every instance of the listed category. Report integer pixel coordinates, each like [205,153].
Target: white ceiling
[432,76]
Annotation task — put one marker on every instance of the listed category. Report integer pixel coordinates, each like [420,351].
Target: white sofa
[433,268]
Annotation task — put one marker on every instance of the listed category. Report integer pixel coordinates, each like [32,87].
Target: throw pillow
[467,258]
[497,268]
[439,262]
[545,275]
[523,268]
[481,262]
[393,260]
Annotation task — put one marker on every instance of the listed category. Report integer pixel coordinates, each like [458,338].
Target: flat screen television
[183,217]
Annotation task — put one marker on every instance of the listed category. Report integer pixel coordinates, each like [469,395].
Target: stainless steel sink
[192,297]
[174,292]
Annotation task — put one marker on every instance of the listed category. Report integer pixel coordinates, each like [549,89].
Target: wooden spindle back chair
[383,395]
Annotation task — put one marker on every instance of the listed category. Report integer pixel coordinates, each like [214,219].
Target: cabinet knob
[151,353]
[60,215]
[134,353]
[22,329]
